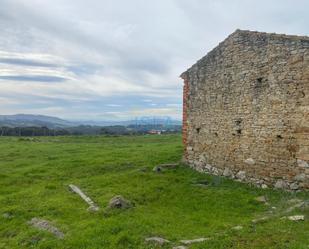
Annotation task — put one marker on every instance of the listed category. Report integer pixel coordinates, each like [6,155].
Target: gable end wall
[246,110]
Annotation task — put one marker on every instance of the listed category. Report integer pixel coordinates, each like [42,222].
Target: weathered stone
[119,202]
[92,206]
[157,240]
[297,218]
[192,241]
[7,215]
[243,102]
[280,184]
[157,169]
[228,172]
[215,171]
[241,175]
[300,177]
[261,199]
[208,167]
[294,186]
[46,226]
[264,186]
[237,228]
[302,163]
[262,219]
[180,247]
[250,161]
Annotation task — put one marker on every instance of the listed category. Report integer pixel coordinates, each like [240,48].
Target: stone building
[246,110]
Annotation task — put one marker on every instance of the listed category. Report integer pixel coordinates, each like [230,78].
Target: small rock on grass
[262,219]
[119,202]
[157,169]
[261,199]
[264,186]
[297,218]
[280,184]
[7,216]
[92,206]
[189,242]
[46,226]
[93,209]
[180,247]
[294,186]
[157,240]
[237,228]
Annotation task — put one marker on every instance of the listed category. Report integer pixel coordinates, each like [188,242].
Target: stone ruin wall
[246,110]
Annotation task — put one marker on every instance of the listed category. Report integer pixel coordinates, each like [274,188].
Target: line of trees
[32,131]
[86,130]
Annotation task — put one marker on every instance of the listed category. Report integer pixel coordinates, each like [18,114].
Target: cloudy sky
[118,59]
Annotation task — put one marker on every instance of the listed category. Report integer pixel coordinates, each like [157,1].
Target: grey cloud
[137,42]
[131,55]
[26,62]
[33,78]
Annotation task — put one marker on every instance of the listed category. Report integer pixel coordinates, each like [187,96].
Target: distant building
[246,110]
[154,132]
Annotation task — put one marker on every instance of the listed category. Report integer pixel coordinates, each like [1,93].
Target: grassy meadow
[175,204]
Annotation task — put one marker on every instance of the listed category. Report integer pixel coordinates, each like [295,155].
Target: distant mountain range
[27,120]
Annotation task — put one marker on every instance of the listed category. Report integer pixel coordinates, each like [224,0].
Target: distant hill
[26,120]
[138,122]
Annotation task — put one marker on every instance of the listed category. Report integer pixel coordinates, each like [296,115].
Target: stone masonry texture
[246,110]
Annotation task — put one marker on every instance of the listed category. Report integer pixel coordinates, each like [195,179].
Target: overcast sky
[118,59]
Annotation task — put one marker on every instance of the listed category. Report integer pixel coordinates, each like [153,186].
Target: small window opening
[198,130]
[238,122]
[259,80]
[279,137]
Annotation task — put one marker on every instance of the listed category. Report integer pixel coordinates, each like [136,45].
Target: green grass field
[34,179]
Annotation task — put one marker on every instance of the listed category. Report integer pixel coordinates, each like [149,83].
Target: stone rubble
[262,219]
[261,199]
[298,204]
[119,202]
[92,206]
[7,216]
[297,218]
[157,169]
[157,240]
[237,228]
[46,226]
[189,242]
